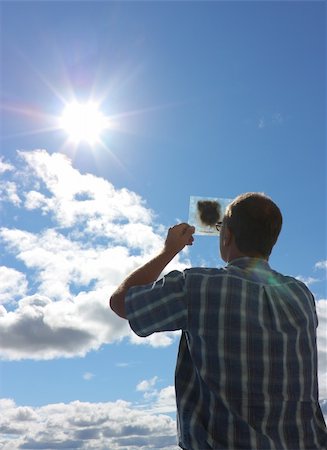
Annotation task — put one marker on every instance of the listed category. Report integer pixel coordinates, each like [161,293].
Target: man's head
[251,225]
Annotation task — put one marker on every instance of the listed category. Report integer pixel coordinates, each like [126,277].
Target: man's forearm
[178,236]
[148,273]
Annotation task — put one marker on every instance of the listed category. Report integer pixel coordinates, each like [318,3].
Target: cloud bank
[93,426]
[84,426]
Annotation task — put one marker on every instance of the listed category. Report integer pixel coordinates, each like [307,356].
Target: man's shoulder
[254,274]
[206,271]
[195,276]
[288,279]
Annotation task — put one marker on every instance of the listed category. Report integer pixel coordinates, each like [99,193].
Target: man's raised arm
[177,238]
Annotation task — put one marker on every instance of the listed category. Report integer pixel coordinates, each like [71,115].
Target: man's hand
[178,237]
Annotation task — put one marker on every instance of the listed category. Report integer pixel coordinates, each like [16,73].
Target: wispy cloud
[321,265]
[270,120]
[261,123]
[307,280]
[87,376]
[124,365]
[277,119]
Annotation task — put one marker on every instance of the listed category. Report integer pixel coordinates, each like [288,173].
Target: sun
[83,122]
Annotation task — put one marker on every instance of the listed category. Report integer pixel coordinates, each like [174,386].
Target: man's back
[246,371]
[246,374]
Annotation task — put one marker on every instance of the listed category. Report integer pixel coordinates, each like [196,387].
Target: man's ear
[228,236]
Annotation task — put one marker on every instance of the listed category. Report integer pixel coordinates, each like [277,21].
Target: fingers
[190,241]
[183,230]
[178,236]
[188,232]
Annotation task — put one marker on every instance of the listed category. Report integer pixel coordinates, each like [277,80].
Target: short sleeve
[160,306]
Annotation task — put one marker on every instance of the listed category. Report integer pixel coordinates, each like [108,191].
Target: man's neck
[236,254]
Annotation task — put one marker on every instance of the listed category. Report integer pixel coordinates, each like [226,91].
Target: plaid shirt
[246,375]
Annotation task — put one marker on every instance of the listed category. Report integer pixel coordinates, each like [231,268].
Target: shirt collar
[247,262]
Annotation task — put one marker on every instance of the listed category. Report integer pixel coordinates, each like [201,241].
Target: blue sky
[205,98]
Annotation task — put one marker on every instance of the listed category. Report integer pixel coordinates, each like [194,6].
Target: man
[246,375]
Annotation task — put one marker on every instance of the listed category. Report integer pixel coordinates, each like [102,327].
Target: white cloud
[84,426]
[74,198]
[156,339]
[125,365]
[8,192]
[92,236]
[321,265]
[13,284]
[166,400]
[271,120]
[5,166]
[277,119]
[160,400]
[146,385]
[88,426]
[87,376]
[60,262]
[157,400]
[40,328]
[261,123]
[307,280]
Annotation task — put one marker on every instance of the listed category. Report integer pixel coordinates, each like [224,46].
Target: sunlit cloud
[8,192]
[156,400]
[156,339]
[5,166]
[307,280]
[146,385]
[92,236]
[13,284]
[321,265]
[86,426]
[90,426]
